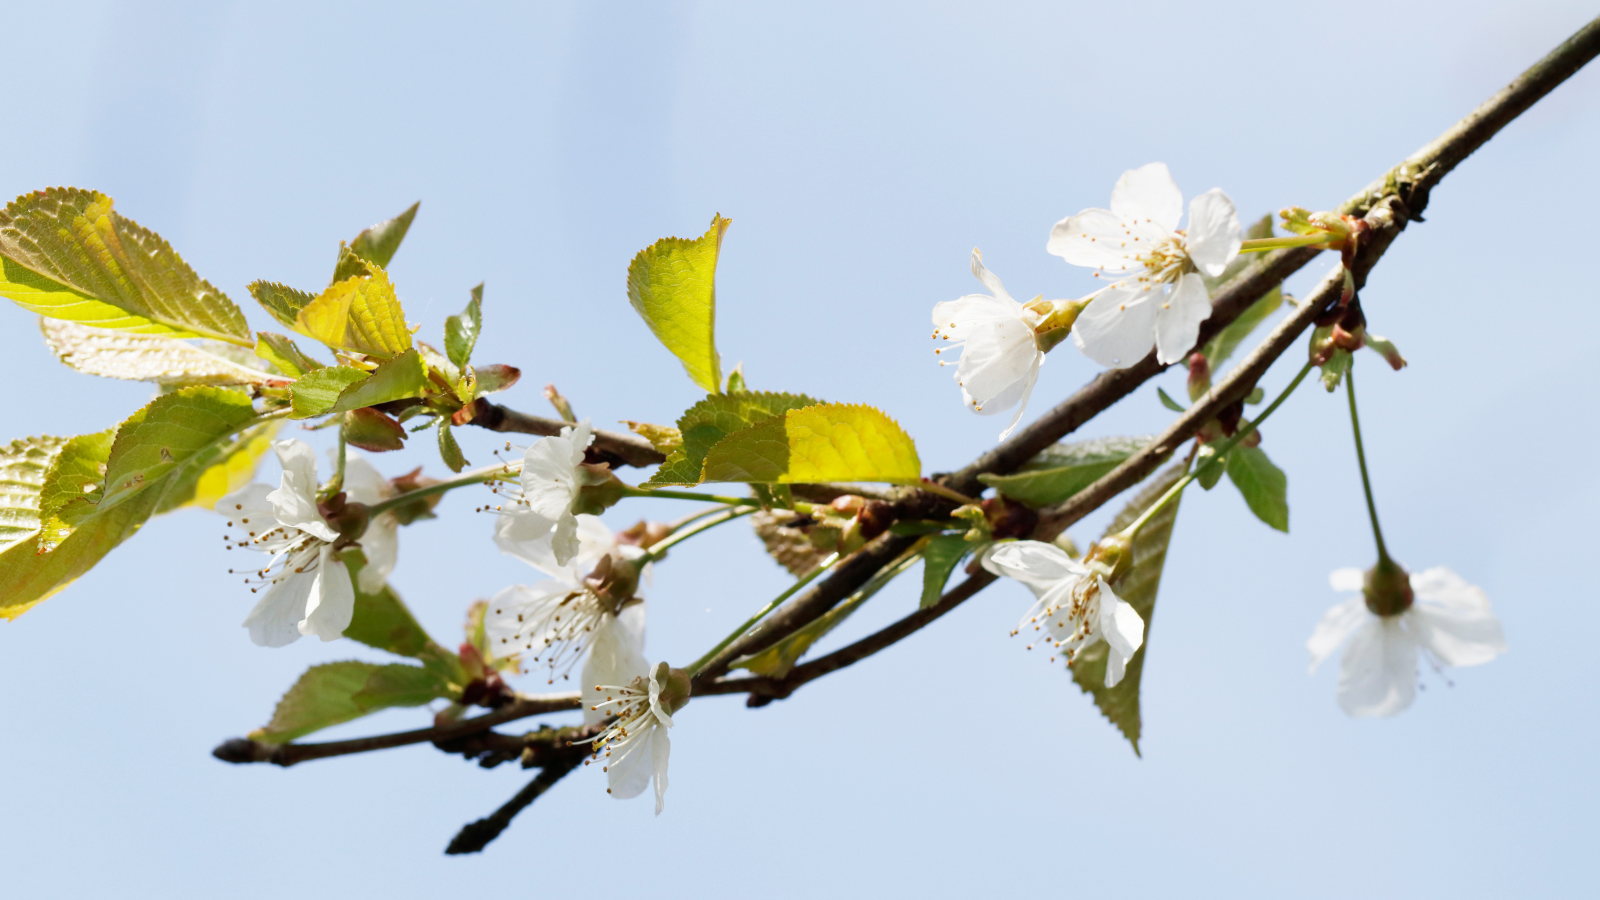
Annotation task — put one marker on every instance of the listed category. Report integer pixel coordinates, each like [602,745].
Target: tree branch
[473,837]
[244,750]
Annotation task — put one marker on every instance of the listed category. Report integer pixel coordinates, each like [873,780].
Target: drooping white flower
[1075,607]
[308,589]
[1161,298]
[551,623]
[1000,359]
[542,503]
[380,542]
[1449,619]
[634,749]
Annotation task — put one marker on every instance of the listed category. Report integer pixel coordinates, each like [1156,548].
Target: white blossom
[1162,299]
[634,749]
[308,589]
[1000,359]
[551,623]
[1449,619]
[1076,608]
[542,503]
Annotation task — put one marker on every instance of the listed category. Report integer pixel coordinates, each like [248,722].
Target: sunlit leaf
[23,464]
[826,442]
[1137,586]
[709,421]
[282,301]
[28,577]
[394,379]
[233,465]
[1061,470]
[284,354]
[338,692]
[66,254]
[461,332]
[359,314]
[376,245]
[666,439]
[169,432]
[317,393]
[672,284]
[73,486]
[1263,485]
[145,357]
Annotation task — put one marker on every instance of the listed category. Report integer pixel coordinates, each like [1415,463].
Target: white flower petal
[362,482]
[1178,318]
[1336,625]
[1345,580]
[661,748]
[1457,637]
[998,357]
[1036,564]
[526,535]
[248,502]
[1098,239]
[1446,588]
[294,503]
[332,603]
[564,539]
[581,436]
[1122,630]
[957,318]
[628,770]
[1213,234]
[1148,192]
[1022,405]
[275,621]
[1378,674]
[380,544]
[988,278]
[518,618]
[615,658]
[549,477]
[1117,328]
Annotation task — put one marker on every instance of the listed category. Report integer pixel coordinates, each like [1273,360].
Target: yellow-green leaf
[235,466]
[171,431]
[73,486]
[673,286]
[376,245]
[704,424]
[65,253]
[826,442]
[394,379]
[145,357]
[282,301]
[28,577]
[23,465]
[359,314]
[316,393]
[284,354]
[341,691]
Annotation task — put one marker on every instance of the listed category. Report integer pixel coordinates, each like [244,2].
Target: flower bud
[1199,375]
[614,580]
[1387,350]
[1055,320]
[1387,588]
[977,520]
[348,519]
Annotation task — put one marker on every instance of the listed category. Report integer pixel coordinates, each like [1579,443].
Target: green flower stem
[668,494]
[659,549]
[336,484]
[476,476]
[694,517]
[1218,457]
[761,613]
[1262,245]
[1361,457]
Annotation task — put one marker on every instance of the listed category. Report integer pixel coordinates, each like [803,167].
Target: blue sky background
[861,150]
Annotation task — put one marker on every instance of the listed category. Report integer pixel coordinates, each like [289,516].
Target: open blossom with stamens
[1444,617]
[1000,357]
[1075,609]
[308,588]
[1161,299]
[543,501]
[634,749]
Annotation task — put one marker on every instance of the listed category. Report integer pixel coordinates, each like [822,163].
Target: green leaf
[826,442]
[317,393]
[1264,486]
[282,353]
[1219,348]
[383,621]
[338,692]
[1170,403]
[666,439]
[709,421]
[28,577]
[171,431]
[939,559]
[395,379]
[359,314]
[282,301]
[461,332]
[216,473]
[371,430]
[65,253]
[376,245]
[449,450]
[1064,469]
[672,285]
[23,465]
[1137,587]
[145,357]
[73,486]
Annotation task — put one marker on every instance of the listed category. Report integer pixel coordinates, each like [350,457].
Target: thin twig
[473,837]
[244,750]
